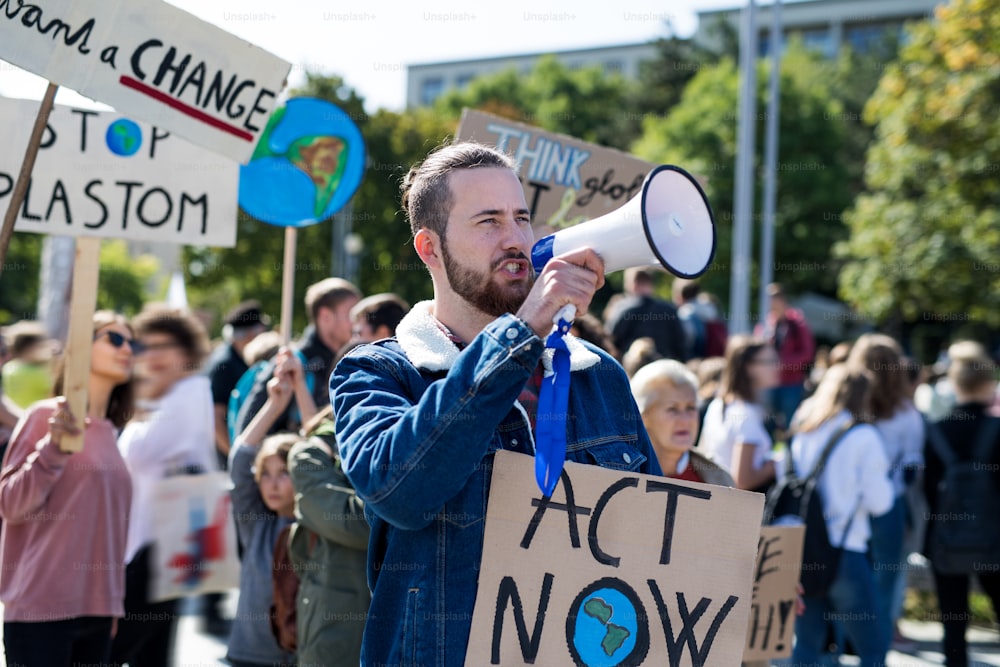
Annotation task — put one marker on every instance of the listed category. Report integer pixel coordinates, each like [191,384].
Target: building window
[613,67]
[464,79]
[872,38]
[431,88]
[818,40]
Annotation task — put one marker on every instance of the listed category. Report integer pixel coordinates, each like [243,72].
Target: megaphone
[669,223]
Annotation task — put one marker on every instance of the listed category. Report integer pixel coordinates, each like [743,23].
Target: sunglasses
[117,340]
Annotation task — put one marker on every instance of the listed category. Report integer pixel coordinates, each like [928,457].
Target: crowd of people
[360,454]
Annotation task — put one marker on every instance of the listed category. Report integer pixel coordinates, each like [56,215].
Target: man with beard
[420,416]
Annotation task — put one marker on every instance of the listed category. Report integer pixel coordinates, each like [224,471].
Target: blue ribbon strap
[553,403]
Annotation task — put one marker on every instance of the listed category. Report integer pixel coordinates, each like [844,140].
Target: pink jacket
[65,519]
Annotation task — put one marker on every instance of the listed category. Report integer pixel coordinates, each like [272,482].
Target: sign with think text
[152,61]
[100,174]
[615,568]
[566,181]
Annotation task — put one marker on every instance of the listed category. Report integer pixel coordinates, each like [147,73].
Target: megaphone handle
[565,316]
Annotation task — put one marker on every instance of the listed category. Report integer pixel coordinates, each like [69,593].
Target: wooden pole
[81,333]
[288,284]
[24,176]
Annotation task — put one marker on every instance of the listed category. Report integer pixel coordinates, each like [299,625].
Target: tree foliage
[124,282]
[699,134]
[19,282]
[585,103]
[925,238]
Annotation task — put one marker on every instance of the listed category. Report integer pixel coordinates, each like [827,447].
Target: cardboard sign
[152,61]
[566,181]
[616,568]
[776,578]
[194,537]
[99,174]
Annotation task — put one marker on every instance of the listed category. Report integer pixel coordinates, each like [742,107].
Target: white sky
[371,43]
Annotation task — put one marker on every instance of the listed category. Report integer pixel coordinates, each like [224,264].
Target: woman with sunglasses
[65,514]
[172,434]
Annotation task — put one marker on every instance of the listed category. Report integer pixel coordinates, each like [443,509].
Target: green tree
[19,282]
[585,103]
[662,81]
[925,238]
[700,135]
[124,281]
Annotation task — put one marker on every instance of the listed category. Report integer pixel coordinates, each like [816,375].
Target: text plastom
[101,174]
[152,61]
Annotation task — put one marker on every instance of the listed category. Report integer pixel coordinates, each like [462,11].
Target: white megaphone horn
[669,223]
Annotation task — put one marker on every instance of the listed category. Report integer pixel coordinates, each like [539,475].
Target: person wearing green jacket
[328,547]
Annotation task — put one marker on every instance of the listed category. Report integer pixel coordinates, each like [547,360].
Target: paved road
[196,649]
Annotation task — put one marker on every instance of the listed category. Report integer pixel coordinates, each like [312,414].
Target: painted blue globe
[606,628]
[123,137]
[308,163]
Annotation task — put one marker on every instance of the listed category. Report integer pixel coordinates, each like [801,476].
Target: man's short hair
[246,315]
[329,293]
[970,374]
[686,289]
[638,276]
[427,198]
[380,309]
[24,335]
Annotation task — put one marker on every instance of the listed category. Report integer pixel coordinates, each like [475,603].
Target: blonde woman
[853,485]
[667,395]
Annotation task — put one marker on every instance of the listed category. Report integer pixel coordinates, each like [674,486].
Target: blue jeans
[784,401]
[889,562]
[850,603]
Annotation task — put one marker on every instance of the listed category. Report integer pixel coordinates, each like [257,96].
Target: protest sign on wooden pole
[24,178]
[81,334]
[134,55]
[288,284]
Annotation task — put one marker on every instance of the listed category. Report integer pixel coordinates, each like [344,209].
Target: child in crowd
[328,547]
[264,504]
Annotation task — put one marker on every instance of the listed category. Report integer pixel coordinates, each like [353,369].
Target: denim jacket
[418,423]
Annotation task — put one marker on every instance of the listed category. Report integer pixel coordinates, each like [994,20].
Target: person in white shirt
[902,430]
[733,434]
[172,434]
[854,484]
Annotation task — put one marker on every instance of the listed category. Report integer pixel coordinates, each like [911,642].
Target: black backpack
[797,500]
[965,535]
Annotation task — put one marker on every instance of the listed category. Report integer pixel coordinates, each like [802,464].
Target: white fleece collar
[428,347]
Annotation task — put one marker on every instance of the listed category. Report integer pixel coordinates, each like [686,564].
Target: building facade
[825,25]
[426,82]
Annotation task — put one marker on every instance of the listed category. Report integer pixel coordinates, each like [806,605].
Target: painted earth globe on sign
[307,165]
[123,137]
[605,628]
